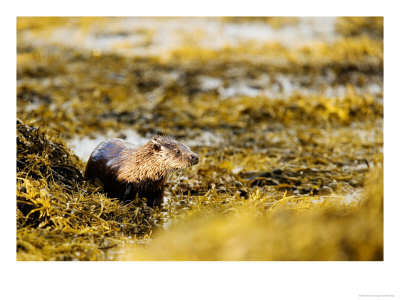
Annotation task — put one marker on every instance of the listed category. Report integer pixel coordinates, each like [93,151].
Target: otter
[127,171]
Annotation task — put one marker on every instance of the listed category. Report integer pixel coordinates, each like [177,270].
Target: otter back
[102,164]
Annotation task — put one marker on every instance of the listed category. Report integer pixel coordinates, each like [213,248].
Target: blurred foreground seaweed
[290,229]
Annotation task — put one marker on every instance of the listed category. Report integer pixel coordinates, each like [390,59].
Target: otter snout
[194,158]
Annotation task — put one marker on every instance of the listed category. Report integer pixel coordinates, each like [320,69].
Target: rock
[325,190]
[333,185]
[277,172]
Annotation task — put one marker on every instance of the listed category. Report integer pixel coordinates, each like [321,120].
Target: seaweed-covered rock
[42,157]
[55,205]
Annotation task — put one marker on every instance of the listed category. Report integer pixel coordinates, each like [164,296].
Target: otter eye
[157,147]
[178,152]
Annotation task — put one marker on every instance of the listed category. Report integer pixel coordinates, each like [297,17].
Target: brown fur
[126,171]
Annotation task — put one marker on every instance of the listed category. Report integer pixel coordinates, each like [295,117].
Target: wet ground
[280,110]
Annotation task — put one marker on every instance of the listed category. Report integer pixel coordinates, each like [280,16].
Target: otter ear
[156,145]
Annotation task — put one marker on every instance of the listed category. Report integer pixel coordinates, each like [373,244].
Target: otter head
[173,154]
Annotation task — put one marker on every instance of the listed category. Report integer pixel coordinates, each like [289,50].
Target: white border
[198,280]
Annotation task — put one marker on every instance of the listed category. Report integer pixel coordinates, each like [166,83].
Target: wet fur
[126,171]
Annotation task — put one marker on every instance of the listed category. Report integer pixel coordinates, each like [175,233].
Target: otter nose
[194,158]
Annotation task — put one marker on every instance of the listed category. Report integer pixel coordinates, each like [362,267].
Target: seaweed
[352,26]
[59,215]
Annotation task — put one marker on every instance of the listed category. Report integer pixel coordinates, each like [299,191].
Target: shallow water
[84,145]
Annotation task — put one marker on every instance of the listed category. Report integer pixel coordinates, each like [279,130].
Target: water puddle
[84,145]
